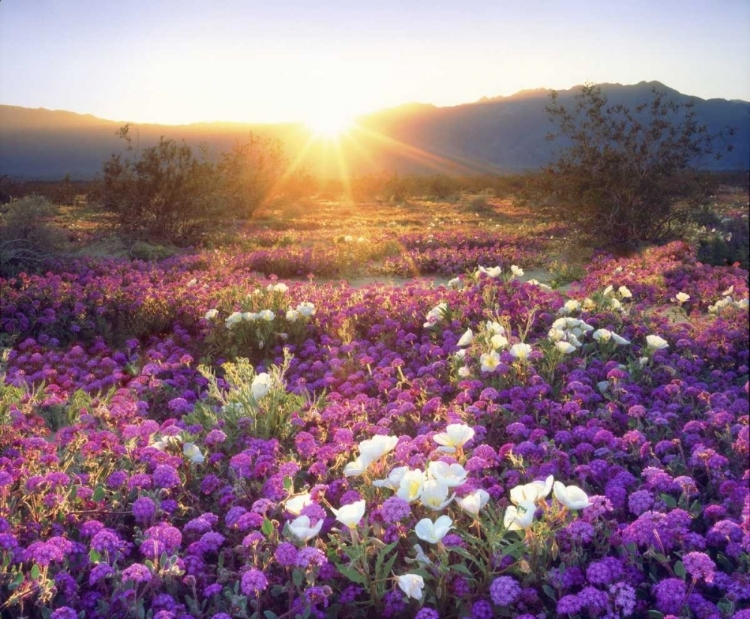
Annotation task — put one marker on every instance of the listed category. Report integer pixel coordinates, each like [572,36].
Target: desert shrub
[479,204]
[27,239]
[171,193]
[142,250]
[626,176]
[727,244]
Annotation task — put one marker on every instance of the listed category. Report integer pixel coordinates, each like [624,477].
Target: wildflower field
[376,411]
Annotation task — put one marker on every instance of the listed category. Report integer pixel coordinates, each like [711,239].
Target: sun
[330,126]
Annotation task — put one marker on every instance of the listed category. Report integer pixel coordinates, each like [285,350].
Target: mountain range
[492,135]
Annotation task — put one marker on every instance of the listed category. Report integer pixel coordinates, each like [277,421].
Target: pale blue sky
[184,60]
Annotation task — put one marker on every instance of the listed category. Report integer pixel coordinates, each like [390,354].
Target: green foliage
[27,239]
[727,244]
[623,172]
[242,408]
[172,193]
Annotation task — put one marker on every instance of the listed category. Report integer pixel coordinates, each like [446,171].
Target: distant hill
[497,134]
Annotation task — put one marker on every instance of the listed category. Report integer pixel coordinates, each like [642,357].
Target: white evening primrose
[571,305]
[350,515]
[474,502]
[464,372]
[602,385]
[588,304]
[681,297]
[571,497]
[624,292]
[292,315]
[728,291]
[435,495]
[565,347]
[608,291]
[249,316]
[211,314]
[537,283]
[357,467]
[494,327]
[452,475]
[602,335]
[466,339]
[192,282]
[302,530]
[615,304]
[410,485]
[555,334]
[489,361]
[573,340]
[534,491]
[492,272]
[516,271]
[435,315]
[619,340]
[374,448]
[455,283]
[433,532]
[411,585]
[193,453]
[233,319]
[280,287]
[294,505]
[306,309]
[266,315]
[519,518]
[393,480]
[656,342]
[520,351]
[261,385]
[498,341]
[455,435]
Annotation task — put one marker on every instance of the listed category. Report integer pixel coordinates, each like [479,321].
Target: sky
[242,60]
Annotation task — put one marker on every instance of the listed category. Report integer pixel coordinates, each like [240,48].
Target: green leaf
[17,581]
[297,578]
[679,569]
[669,501]
[98,494]
[267,527]
[94,556]
[163,560]
[35,571]
[655,614]
[288,483]
[549,591]
[351,574]
[149,564]
[381,557]
[695,509]
[269,614]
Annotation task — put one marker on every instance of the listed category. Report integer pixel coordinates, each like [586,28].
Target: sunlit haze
[325,63]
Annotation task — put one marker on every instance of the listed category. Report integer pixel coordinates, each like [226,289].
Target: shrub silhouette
[626,176]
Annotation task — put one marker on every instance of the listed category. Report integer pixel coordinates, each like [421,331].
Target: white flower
[233,319]
[588,304]
[421,556]
[571,305]
[292,315]
[624,292]
[451,475]
[536,282]
[615,304]
[516,271]
[280,287]
[455,283]
[393,480]
[350,515]
[261,385]
[357,467]
[681,297]
[249,316]
[466,339]
[435,495]
[301,529]
[411,485]
[602,335]
[498,341]
[266,315]
[411,585]
[192,282]
[306,308]
[455,435]
[435,315]
[193,453]
[555,334]
[296,504]
[728,291]
[608,291]
[489,361]
[474,502]
[533,492]
[571,497]
[619,340]
[494,327]
[602,385]
[656,342]
[492,272]
[463,371]
[520,351]
[377,446]
[565,347]
[211,314]
[519,518]
[433,532]
[573,340]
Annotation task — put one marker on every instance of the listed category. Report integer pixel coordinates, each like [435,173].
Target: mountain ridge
[493,134]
